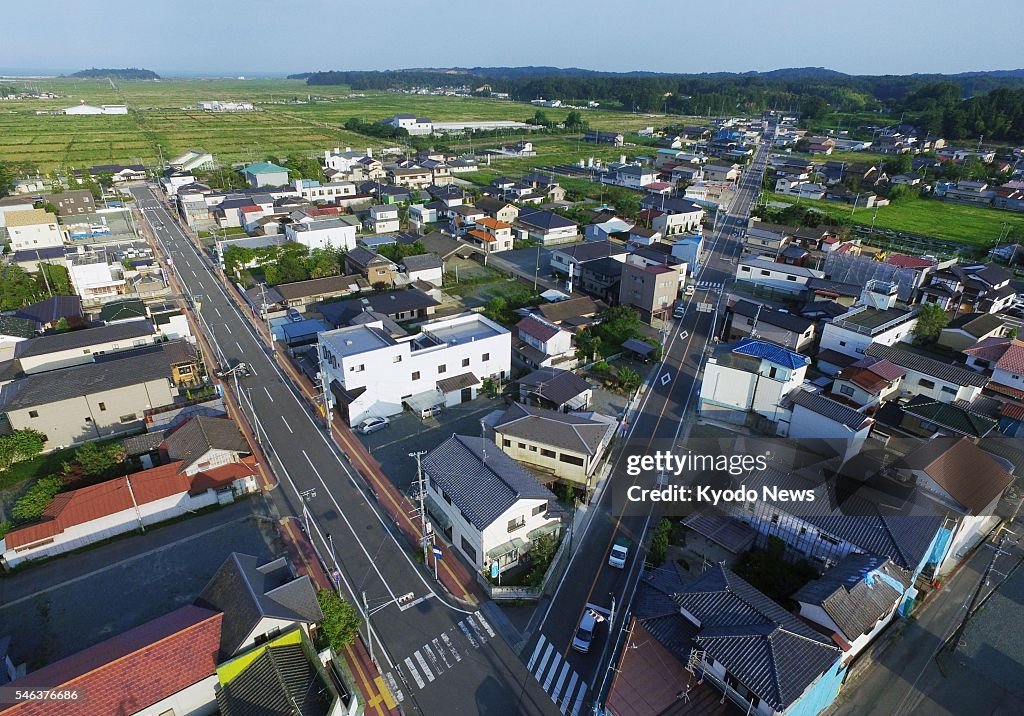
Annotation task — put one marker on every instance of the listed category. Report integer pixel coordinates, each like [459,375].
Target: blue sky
[275,36]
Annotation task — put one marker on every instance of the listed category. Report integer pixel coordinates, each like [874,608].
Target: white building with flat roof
[372,374]
[325,234]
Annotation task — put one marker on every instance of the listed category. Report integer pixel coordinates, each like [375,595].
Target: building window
[465,362]
[539,509]
[33,413]
[827,538]
[846,390]
[521,446]
[359,368]
[533,448]
[506,442]
[949,391]
[415,375]
[572,460]
[128,418]
[102,406]
[765,273]
[468,549]
[842,343]
[926,383]
[397,359]
[447,497]
[485,357]
[516,524]
[442,368]
[547,453]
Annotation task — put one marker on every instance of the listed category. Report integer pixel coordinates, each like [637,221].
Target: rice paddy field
[291,118]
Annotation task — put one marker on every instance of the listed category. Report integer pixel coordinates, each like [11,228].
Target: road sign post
[437,557]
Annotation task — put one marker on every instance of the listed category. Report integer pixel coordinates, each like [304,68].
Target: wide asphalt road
[437,656]
[577,682]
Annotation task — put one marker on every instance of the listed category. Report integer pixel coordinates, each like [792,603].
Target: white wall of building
[334,237]
[35,236]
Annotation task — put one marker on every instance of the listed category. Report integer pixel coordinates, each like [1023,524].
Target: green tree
[300,167]
[540,118]
[61,326]
[931,319]
[46,206]
[587,345]
[340,624]
[629,379]
[660,541]
[38,497]
[288,268]
[7,177]
[96,459]
[574,120]
[105,179]
[618,324]
[17,288]
[54,279]
[900,164]
[321,263]
[542,551]
[20,445]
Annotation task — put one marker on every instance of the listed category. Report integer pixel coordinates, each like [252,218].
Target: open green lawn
[970,225]
[160,120]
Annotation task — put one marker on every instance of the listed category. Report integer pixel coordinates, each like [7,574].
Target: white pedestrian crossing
[710,285]
[441,654]
[557,677]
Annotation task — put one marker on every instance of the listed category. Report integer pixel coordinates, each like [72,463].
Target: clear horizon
[196,37]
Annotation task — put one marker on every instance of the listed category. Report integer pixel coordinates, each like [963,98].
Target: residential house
[573,313]
[751,377]
[1004,357]
[119,173]
[71,202]
[86,402]
[14,330]
[868,382]
[854,600]
[967,482]
[34,229]
[60,350]
[557,389]
[261,174]
[568,261]
[966,330]
[464,218]
[933,378]
[826,426]
[378,270]
[603,229]
[125,309]
[77,518]
[490,507]
[775,278]
[131,673]
[498,209]
[614,139]
[761,657]
[631,176]
[764,239]
[415,176]
[171,323]
[651,289]
[568,446]
[300,294]
[722,172]
[313,190]
[383,218]
[689,248]
[546,227]
[540,343]
[851,333]
[987,288]
[405,305]
[48,312]
[927,418]
[424,267]
[203,443]
[746,318]
[490,235]
[372,374]
[331,234]
[671,215]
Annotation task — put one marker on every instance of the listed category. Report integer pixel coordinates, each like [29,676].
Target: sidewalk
[375,693]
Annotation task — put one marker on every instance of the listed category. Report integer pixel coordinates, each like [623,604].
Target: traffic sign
[494,570]
[437,553]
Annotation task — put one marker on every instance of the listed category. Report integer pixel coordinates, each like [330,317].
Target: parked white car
[372,425]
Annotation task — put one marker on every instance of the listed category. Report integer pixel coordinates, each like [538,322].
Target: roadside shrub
[31,505]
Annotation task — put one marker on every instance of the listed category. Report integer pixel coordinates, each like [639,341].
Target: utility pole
[369,629]
[422,491]
[131,492]
[997,550]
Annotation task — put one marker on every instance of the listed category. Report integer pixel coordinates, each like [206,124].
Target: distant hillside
[125,73]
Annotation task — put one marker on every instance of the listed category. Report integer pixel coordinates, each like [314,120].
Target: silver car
[372,425]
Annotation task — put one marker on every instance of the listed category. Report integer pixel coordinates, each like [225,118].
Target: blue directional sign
[494,570]
[437,553]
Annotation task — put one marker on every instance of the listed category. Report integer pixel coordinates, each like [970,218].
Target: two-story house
[1004,357]
[868,382]
[540,343]
[378,270]
[746,318]
[382,219]
[546,227]
[490,235]
[933,378]
[651,289]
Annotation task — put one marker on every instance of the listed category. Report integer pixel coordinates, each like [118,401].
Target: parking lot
[57,608]
[526,260]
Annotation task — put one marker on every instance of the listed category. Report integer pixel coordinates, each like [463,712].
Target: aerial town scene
[462,359]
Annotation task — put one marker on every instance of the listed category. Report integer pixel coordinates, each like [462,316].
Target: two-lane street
[437,656]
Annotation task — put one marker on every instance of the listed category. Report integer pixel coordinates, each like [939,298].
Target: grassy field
[972,225]
[161,120]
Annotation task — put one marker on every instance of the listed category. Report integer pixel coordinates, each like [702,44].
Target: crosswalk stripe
[423,665]
[479,632]
[434,661]
[393,687]
[440,652]
[579,700]
[412,670]
[536,652]
[558,684]
[467,634]
[569,692]
[544,661]
[485,625]
[554,669]
[452,649]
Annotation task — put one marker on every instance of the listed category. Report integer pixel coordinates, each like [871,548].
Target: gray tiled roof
[929,366]
[482,481]
[281,680]
[107,373]
[771,316]
[554,428]
[17,327]
[246,591]
[555,385]
[201,434]
[853,595]
[770,651]
[422,262]
[81,339]
[830,409]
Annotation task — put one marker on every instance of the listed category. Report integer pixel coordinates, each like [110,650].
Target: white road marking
[544,661]
[228,328]
[239,347]
[666,379]
[483,622]
[218,312]
[268,394]
[569,692]
[440,652]
[287,425]
[561,680]
[415,674]
[536,652]
[451,648]
[423,665]
[393,687]
[477,630]
[579,701]
[468,634]
[554,669]
[432,659]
